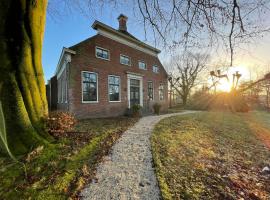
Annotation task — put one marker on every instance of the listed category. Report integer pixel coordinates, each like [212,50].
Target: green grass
[212,155]
[60,170]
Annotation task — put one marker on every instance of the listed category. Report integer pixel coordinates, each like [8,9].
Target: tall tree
[22,86]
[185,76]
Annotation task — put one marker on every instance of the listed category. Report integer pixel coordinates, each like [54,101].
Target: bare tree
[188,67]
[196,23]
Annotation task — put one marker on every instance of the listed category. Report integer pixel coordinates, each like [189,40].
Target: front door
[134,92]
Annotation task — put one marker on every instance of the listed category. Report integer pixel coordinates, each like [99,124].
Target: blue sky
[71,27]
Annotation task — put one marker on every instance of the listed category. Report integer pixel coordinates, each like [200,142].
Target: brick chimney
[122,19]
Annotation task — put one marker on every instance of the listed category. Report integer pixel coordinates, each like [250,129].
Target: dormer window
[142,65]
[102,53]
[155,69]
[125,60]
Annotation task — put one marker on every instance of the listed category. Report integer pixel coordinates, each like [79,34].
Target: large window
[150,89]
[102,53]
[155,69]
[142,65]
[114,88]
[161,91]
[89,87]
[125,60]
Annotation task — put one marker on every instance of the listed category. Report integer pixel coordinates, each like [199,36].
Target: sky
[66,28]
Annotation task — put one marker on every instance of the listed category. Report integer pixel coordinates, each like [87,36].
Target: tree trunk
[184,99]
[22,87]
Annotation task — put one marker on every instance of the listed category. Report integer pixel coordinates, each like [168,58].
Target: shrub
[136,108]
[60,122]
[156,108]
[238,103]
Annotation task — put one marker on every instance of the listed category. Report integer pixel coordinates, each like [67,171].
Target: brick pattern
[85,60]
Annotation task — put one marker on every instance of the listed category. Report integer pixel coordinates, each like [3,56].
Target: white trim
[66,87]
[59,68]
[109,54]
[140,78]
[142,61]
[105,28]
[119,89]
[82,86]
[126,57]
[126,42]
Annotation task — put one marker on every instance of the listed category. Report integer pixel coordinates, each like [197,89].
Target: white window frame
[109,54]
[82,86]
[66,88]
[119,88]
[59,90]
[163,92]
[153,92]
[62,89]
[126,57]
[144,63]
[155,66]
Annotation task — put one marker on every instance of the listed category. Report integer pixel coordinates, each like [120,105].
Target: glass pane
[116,80]
[102,53]
[142,65]
[111,79]
[89,86]
[134,82]
[93,78]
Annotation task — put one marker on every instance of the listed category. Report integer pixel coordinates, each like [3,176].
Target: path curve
[128,173]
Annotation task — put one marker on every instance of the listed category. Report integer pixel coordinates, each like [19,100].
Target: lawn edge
[164,189]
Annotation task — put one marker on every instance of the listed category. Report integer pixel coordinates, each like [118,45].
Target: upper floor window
[125,60]
[114,88]
[142,65]
[161,91]
[150,91]
[102,53]
[89,87]
[155,69]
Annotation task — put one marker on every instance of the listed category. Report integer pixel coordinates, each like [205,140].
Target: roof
[124,34]
[64,50]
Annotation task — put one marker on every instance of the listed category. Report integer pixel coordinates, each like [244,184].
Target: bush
[238,103]
[232,101]
[136,108]
[60,122]
[156,108]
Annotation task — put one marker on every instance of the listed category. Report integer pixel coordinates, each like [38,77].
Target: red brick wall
[85,60]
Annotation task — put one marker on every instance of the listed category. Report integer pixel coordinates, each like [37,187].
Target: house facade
[108,73]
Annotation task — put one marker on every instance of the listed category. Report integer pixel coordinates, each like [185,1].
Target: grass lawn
[60,170]
[213,155]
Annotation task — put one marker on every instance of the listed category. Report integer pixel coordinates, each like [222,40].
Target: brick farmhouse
[105,74]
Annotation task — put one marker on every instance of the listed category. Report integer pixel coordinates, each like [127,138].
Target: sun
[226,85]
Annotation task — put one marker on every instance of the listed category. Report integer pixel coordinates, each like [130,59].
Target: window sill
[90,102]
[126,64]
[103,58]
[114,101]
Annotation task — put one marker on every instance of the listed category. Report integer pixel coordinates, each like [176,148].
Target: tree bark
[184,99]
[22,86]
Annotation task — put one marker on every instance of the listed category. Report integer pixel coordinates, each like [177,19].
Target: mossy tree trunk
[22,86]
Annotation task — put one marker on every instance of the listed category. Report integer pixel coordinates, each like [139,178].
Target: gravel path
[128,173]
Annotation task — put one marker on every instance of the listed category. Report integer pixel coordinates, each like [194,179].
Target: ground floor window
[89,87]
[114,88]
[161,91]
[150,90]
